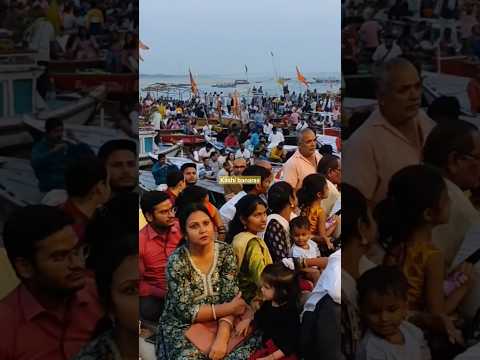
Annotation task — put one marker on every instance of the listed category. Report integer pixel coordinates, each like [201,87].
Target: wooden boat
[185,139]
[117,85]
[93,136]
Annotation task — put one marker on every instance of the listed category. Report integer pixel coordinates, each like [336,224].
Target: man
[387,50]
[88,188]
[239,166]
[304,161]
[40,37]
[277,154]
[329,166]
[294,118]
[205,151]
[276,136]
[214,163]
[175,185]
[120,159]
[161,169]
[392,137]
[231,140]
[242,153]
[51,153]
[54,311]
[454,148]
[157,241]
[189,171]
[207,171]
[228,210]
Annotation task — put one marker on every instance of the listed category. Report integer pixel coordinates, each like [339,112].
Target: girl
[251,251]
[314,189]
[416,202]
[278,316]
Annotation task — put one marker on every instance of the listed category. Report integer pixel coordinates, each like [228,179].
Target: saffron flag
[142,46]
[193,84]
[301,78]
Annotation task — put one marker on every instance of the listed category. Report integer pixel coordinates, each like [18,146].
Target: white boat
[93,136]
[224,85]
[76,111]
[18,183]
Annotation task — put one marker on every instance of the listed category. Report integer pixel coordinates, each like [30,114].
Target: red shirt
[30,332]
[80,219]
[231,141]
[154,251]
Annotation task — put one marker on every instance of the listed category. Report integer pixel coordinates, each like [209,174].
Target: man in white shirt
[242,153]
[267,127]
[276,137]
[386,51]
[206,151]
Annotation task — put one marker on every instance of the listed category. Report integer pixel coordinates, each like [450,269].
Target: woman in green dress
[202,286]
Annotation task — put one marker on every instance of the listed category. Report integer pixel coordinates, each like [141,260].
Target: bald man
[392,137]
[304,161]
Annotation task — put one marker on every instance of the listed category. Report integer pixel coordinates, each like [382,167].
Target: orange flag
[143,46]
[301,78]
[193,84]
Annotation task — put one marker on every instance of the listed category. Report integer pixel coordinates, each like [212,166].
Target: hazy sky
[220,36]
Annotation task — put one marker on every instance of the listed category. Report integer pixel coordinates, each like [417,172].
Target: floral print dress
[188,289]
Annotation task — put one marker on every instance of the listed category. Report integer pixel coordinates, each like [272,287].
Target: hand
[238,305]
[329,244]
[218,350]
[242,328]
[454,335]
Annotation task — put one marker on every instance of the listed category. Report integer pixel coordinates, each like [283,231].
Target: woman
[202,287]
[117,284]
[281,202]
[251,251]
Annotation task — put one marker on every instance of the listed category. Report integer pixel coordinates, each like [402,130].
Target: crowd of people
[101,31]
[406,287]
[238,281]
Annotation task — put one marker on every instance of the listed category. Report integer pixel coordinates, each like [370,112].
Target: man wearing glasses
[54,310]
[157,241]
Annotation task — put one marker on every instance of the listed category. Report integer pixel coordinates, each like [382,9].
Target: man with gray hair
[394,134]
[304,161]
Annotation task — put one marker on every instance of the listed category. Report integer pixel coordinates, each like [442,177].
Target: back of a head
[190,195]
[173,178]
[447,138]
[283,280]
[327,163]
[444,108]
[114,145]
[352,214]
[279,196]
[255,170]
[151,199]
[382,280]
[411,191]
[82,174]
[28,225]
[312,184]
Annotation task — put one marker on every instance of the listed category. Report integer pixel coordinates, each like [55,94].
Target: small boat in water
[225,85]
[242,82]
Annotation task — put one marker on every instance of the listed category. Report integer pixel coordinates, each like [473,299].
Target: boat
[185,139]
[224,85]
[118,86]
[242,82]
[93,136]
[167,150]
[18,183]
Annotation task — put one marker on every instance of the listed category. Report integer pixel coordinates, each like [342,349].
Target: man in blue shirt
[161,169]
[51,153]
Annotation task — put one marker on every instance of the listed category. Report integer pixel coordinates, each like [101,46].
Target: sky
[221,36]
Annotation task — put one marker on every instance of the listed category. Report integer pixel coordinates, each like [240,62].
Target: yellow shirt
[276,154]
[314,214]
[94,16]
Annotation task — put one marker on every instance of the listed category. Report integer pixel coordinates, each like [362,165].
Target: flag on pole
[301,78]
[193,84]
[142,46]
[246,68]
[271,53]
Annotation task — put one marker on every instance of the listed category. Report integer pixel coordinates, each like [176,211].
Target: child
[417,202]
[303,247]
[383,306]
[314,189]
[278,316]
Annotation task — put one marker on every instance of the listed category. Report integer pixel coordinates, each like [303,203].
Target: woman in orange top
[314,189]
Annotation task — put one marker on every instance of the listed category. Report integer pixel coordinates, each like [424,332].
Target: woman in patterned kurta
[189,289]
